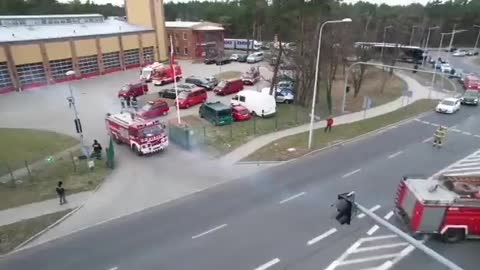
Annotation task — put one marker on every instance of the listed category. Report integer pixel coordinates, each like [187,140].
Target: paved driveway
[138,182]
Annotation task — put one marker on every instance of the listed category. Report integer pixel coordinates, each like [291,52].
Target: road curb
[53,225]
[354,139]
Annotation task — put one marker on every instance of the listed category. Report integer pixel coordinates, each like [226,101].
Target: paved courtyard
[137,182]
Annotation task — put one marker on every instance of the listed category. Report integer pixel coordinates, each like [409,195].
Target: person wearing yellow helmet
[439,136]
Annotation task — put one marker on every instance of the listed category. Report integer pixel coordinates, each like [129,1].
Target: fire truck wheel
[453,235]
[136,150]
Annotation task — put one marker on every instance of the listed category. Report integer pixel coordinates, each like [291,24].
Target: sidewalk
[419,92]
[28,211]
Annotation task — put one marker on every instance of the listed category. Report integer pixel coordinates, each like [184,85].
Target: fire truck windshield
[150,132]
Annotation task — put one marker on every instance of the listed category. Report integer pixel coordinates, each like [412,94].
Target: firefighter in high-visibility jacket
[439,136]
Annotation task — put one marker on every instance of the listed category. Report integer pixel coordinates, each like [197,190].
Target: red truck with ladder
[448,207]
[141,135]
[160,73]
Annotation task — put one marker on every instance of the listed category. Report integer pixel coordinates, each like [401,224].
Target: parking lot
[145,181]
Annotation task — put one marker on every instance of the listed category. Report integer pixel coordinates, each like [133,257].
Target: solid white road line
[292,197]
[209,231]
[322,236]
[395,154]
[427,140]
[268,264]
[380,247]
[373,230]
[373,209]
[351,173]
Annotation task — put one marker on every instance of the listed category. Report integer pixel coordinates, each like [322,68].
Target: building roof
[24,29]
[200,26]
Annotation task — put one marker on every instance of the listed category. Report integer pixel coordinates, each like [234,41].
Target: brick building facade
[194,40]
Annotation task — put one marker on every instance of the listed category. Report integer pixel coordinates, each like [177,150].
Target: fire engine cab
[448,207]
[143,136]
[160,73]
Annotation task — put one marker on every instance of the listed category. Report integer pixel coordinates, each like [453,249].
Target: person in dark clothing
[134,103]
[61,193]
[97,149]
[127,99]
[329,124]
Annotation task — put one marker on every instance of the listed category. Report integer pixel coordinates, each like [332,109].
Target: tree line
[44,7]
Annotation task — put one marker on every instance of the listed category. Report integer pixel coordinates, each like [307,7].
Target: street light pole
[411,35]
[312,113]
[384,36]
[478,36]
[436,62]
[426,44]
[451,38]
[72,104]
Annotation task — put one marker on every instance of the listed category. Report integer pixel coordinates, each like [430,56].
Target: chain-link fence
[224,138]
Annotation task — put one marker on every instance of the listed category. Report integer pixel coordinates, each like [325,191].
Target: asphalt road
[279,218]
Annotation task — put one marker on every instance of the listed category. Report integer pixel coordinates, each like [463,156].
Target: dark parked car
[242,58]
[223,60]
[209,60]
[181,87]
[201,82]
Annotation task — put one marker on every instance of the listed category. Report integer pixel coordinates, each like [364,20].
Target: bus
[411,54]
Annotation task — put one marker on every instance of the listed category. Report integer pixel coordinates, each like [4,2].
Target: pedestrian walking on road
[127,99]
[329,125]
[61,193]
[439,136]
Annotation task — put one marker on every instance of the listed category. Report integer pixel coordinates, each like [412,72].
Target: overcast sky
[389,2]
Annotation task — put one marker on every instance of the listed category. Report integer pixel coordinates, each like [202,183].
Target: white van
[255,57]
[257,103]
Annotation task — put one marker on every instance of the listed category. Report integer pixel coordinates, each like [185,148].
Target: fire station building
[195,40]
[39,50]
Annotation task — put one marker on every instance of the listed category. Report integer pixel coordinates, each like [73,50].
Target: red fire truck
[160,73]
[143,136]
[448,207]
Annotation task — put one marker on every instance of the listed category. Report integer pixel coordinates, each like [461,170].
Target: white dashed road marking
[209,231]
[373,229]
[395,154]
[268,264]
[351,173]
[427,140]
[292,197]
[322,236]
[389,215]
[113,268]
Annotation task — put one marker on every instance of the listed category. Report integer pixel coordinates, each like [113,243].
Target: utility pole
[411,35]
[478,36]
[346,205]
[426,43]
[383,45]
[451,38]
[77,122]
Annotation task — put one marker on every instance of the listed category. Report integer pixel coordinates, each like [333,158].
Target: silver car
[284,96]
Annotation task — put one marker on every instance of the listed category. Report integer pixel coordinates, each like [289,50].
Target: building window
[88,65]
[131,58]
[185,51]
[177,50]
[148,55]
[31,74]
[5,81]
[184,36]
[59,68]
[111,61]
